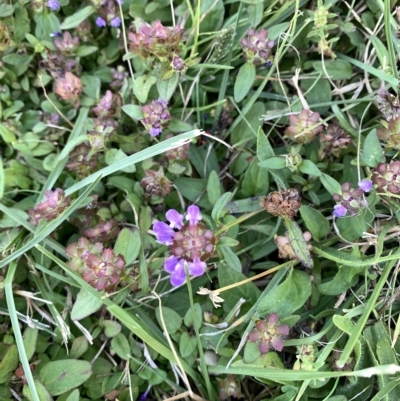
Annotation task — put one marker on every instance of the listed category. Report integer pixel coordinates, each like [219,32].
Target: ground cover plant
[199,200]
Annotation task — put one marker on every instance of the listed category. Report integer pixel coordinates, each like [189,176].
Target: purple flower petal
[339,211]
[365,185]
[277,343]
[193,214]
[171,263]
[175,219]
[115,22]
[164,232]
[100,22]
[120,2]
[197,267]
[178,277]
[53,5]
[155,131]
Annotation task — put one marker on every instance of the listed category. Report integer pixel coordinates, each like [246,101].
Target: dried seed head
[282,203]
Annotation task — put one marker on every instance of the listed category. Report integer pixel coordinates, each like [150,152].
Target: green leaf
[244,81]
[343,323]
[30,339]
[114,155]
[166,88]
[134,111]
[176,125]
[79,346]
[227,241]
[9,362]
[316,223]
[83,51]
[120,345]
[255,181]
[21,24]
[372,152]
[213,187]
[255,13]
[298,243]
[80,16]
[273,163]
[128,244]
[85,305]
[232,259]
[336,69]
[171,319]
[61,376]
[188,318]
[6,10]
[287,297]
[308,167]
[187,344]
[142,86]
[330,184]
[44,395]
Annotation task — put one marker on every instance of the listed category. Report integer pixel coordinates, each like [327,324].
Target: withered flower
[156,183]
[282,203]
[303,127]
[388,104]
[69,88]
[390,133]
[82,160]
[67,44]
[386,176]
[332,141]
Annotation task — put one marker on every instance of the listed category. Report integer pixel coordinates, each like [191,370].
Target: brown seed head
[282,203]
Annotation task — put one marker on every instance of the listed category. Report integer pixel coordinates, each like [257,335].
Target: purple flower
[100,22]
[53,5]
[190,244]
[339,211]
[175,219]
[155,131]
[56,35]
[365,185]
[164,233]
[115,22]
[120,2]
[193,214]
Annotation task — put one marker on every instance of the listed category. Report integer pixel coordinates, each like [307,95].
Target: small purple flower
[365,185]
[56,35]
[100,22]
[193,214]
[54,5]
[191,244]
[120,2]
[155,131]
[115,22]
[164,233]
[175,219]
[143,397]
[339,211]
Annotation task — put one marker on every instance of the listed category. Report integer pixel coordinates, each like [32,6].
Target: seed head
[156,116]
[282,203]
[69,88]
[390,133]
[388,104]
[332,141]
[67,44]
[285,248]
[82,160]
[386,176]
[156,183]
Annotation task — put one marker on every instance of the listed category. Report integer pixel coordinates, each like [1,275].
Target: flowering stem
[203,365]
[274,269]
[226,227]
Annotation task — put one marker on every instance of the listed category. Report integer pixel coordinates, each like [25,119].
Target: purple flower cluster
[99,267]
[54,204]
[190,243]
[257,48]
[351,201]
[156,116]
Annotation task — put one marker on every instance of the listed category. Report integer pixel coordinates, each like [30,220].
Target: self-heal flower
[54,204]
[350,201]
[257,48]
[54,5]
[386,177]
[115,22]
[365,185]
[100,22]
[155,116]
[388,104]
[269,333]
[190,243]
[99,267]
[303,127]
[69,88]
